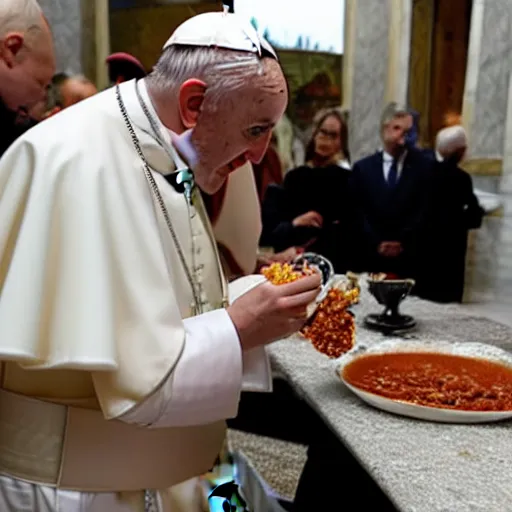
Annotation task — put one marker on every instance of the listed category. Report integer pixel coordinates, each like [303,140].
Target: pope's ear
[191,98]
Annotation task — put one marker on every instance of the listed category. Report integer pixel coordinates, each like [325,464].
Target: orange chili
[332,327]
[434,380]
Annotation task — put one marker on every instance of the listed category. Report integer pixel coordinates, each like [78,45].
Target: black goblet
[390,293]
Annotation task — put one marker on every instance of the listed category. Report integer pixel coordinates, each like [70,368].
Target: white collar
[389,158]
[164,132]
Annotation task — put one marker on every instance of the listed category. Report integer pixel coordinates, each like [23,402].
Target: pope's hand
[268,312]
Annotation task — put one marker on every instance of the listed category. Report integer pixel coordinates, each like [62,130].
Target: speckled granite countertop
[423,467]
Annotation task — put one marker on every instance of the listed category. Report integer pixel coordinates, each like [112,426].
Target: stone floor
[279,463]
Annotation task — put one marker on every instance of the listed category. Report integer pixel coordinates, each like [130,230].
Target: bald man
[27,64]
[454,211]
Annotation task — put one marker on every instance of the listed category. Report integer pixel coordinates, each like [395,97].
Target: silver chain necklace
[158,197]
[152,122]
[188,193]
[150,496]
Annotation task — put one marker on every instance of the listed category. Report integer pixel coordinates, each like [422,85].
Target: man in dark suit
[389,192]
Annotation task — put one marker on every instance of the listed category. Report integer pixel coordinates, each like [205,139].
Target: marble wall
[369,74]
[487,252]
[487,77]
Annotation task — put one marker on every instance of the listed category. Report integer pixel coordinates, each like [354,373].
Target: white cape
[84,277]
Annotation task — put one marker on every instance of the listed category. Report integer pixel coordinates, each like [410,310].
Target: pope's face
[238,127]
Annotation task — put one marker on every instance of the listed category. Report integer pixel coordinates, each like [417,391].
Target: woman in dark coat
[311,208]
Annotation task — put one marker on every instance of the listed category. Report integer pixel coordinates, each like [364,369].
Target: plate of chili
[436,381]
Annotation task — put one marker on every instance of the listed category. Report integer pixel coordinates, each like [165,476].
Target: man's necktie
[393,174]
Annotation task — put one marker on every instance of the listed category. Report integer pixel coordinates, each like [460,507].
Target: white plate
[477,350]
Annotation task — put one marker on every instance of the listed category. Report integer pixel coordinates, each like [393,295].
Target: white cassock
[108,385]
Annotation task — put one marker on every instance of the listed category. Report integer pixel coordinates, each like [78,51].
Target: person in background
[329,142]
[123,67]
[27,64]
[388,195]
[454,210]
[75,89]
[66,91]
[311,209]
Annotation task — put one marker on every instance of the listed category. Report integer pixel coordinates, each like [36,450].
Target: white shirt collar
[387,162]
[389,158]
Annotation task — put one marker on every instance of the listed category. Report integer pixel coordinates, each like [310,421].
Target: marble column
[487,77]
[375,67]
[487,116]
[399,51]
[102,41]
[370,52]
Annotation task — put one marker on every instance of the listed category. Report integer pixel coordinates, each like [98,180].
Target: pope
[122,348]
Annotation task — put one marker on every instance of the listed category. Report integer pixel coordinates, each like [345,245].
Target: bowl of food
[435,381]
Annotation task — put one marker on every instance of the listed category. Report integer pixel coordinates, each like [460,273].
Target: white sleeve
[206,384]
[257,374]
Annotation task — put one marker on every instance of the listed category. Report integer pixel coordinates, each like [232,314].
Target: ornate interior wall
[460,60]
[438,58]
[142,31]
[420,64]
